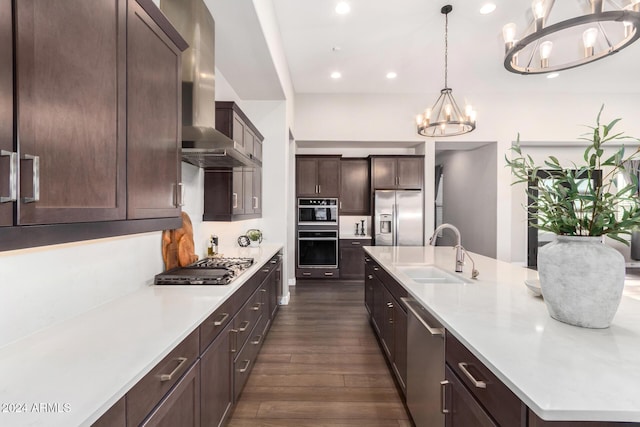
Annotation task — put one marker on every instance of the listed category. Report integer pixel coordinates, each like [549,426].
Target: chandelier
[445,118]
[602,29]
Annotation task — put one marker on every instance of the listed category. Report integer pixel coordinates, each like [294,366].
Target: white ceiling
[406,36]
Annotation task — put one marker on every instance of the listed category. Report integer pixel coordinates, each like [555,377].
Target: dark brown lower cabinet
[368,285]
[116,416]
[181,407]
[460,407]
[352,258]
[215,382]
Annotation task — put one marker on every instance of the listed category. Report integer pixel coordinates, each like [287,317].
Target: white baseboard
[285,299]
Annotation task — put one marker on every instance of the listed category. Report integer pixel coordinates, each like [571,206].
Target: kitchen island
[560,372]
[70,373]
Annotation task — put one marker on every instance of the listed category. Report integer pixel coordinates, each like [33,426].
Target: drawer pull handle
[355,243]
[433,331]
[35,168]
[168,377]
[13,176]
[265,270]
[273,261]
[243,326]
[257,340]
[246,366]
[376,269]
[443,403]
[370,277]
[328,273]
[263,290]
[220,321]
[179,195]
[256,307]
[367,259]
[306,273]
[235,200]
[463,368]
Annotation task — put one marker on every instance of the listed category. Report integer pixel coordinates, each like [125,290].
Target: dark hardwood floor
[321,366]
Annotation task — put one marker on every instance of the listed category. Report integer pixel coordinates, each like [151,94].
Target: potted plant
[255,236]
[581,278]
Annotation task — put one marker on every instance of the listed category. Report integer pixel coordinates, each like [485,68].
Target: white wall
[473,212]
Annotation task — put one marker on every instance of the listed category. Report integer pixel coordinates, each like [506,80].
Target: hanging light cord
[446,47]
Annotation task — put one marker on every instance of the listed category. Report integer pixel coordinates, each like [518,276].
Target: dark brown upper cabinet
[71,110]
[318,176]
[154,118]
[354,187]
[8,155]
[397,172]
[96,107]
[232,194]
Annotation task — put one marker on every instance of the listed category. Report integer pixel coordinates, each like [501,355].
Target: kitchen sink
[429,274]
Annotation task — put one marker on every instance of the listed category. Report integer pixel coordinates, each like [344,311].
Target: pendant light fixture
[445,117]
[561,38]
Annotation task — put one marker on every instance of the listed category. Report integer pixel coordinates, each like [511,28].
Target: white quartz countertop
[80,367]
[353,236]
[561,372]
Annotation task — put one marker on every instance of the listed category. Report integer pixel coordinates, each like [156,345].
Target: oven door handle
[317,238]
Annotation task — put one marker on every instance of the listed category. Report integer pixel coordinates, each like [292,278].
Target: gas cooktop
[207,271]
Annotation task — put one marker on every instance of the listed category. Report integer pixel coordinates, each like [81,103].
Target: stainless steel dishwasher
[425,365]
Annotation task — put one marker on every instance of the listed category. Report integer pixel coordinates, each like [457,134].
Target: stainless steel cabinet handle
[256,340]
[273,261]
[179,195]
[243,326]
[463,368]
[256,307]
[328,273]
[235,200]
[340,204]
[246,366]
[367,259]
[306,273]
[443,403]
[168,377]
[263,290]
[355,243]
[35,165]
[13,176]
[265,270]
[319,189]
[255,202]
[234,347]
[223,317]
[433,331]
[370,277]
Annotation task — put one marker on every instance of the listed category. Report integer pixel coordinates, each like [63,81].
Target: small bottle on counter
[210,246]
[214,244]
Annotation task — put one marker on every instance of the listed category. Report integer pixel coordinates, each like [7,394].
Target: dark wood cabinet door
[379,305]
[71,109]
[257,191]
[368,287]
[410,173]
[237,196]
[306,177]
[215,382]
[181,407]
[388,329]
[384,173]
[238,130]
[354,187]
[329,177]
[8,156]
[352,258]
[462,409]
[400,344]
[257,149]
[248,140]
[154,119]
[247,188]
[114,417]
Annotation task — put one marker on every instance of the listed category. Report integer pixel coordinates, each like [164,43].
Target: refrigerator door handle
[396,225]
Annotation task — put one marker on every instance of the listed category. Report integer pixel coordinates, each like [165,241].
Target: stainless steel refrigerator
[398,218]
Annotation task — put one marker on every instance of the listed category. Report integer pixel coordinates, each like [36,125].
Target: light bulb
[628,28]
[419,119]
[589,39]
[427,115]
[538,9]
[447,111]
[468,109]
[472,116]
[545,52]
[509,32]
[343,8]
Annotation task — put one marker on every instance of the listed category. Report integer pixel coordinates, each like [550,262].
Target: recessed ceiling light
[392,75]
[343,8]
[336,75]
[487,8]
[553,75]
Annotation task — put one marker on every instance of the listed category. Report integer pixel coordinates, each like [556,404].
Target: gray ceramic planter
[581,280]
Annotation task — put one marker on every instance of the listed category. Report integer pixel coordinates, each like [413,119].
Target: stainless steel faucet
[459,249]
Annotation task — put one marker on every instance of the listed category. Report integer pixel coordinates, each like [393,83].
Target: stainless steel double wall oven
[317,233]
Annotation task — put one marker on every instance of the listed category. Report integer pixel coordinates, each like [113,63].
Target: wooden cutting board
[178,249]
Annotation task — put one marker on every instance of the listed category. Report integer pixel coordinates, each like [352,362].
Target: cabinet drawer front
[246,319]
[214,324]
[245,291]
[460,406]
[146,394]
[395,289]
[317,273]
[246,358]
[496,397]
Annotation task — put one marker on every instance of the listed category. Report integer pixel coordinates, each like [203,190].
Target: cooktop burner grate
[208,271]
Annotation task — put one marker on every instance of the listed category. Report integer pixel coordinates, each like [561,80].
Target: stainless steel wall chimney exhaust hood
[202,144]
